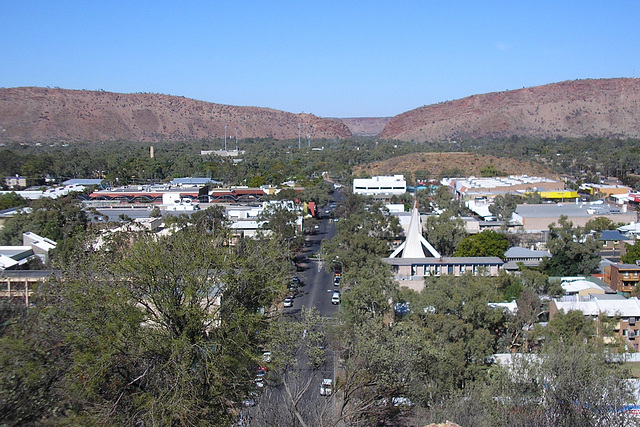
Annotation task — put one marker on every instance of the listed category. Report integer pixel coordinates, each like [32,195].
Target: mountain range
[579,108]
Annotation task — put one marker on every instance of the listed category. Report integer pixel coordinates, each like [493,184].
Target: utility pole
[298,136]
[225,137]
[236,140]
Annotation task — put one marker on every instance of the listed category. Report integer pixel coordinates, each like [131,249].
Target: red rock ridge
[580,108]
[31,114]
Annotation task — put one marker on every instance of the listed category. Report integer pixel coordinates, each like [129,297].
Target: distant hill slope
[366,126]
[31,114]
[604,108]
[438,163]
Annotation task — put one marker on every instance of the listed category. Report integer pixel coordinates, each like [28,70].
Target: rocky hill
[30,114]
[604,108]
[436,164]
[366,126]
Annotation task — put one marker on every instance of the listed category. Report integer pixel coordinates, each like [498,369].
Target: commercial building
[382,187]
[477,188]
[537,218]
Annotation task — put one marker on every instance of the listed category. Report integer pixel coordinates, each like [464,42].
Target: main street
[317,276]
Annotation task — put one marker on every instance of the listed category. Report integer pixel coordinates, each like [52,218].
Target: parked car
[288,302]
[402,309]
[266,356]
[335,298]
[336,281]
[326,387]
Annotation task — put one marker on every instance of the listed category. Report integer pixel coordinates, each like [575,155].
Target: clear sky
[330,58]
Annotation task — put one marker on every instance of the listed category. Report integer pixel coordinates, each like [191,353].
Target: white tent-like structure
[415,244]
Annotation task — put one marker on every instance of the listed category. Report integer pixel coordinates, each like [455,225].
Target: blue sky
[329,58]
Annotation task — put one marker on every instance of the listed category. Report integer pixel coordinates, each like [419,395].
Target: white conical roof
[414,246]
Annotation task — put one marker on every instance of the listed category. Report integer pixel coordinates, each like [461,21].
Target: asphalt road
[316,279]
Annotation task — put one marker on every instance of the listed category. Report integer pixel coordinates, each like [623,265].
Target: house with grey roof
[529,257]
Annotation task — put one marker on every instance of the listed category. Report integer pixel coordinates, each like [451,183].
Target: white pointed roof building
[416,259]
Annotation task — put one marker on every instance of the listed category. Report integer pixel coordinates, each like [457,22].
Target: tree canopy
[487,243]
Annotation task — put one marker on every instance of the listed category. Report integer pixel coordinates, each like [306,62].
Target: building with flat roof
[472,187]
[622,277]
[537,218]
[386,186]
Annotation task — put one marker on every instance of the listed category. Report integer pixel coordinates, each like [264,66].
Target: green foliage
[573,253]
[599,224]
[573,326]
[155,212]
[539,283]
[632,254]
[567,385]
[158,330]
[489,171]
[366,232]
[318,192]
[485,244]
[11,200]
[445,232]
[370,287]
[503,207]
[532,197]
[56,219]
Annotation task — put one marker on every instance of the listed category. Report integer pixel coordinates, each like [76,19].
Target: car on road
[335,298]
[288,302]
[326,387]
[336,281]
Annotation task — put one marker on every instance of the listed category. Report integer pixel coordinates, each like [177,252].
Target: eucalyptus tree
[149,330]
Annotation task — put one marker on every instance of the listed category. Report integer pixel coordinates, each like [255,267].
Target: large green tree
[632,254]
[148,330]
[573,251]
[504,206]
[487,243]
[445,232]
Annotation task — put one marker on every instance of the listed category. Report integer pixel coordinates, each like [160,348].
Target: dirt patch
[437,164]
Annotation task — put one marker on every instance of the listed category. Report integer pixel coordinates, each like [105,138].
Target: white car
[288,302]
[326,388]
[335,298]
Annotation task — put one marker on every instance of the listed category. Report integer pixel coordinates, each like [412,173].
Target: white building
[380,186]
